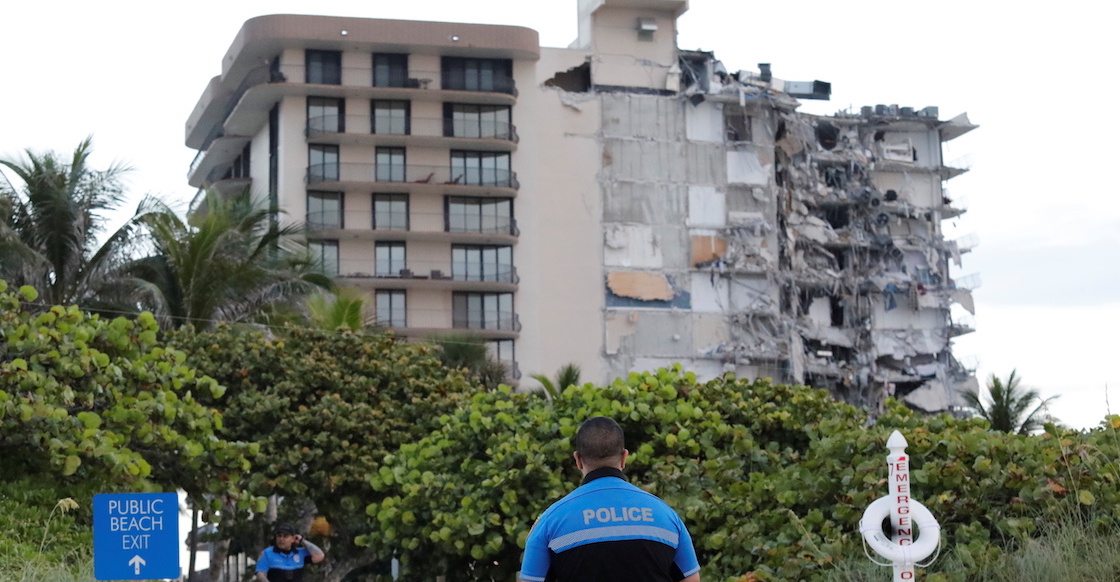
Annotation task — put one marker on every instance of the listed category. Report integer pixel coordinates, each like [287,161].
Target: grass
[44,570]
[1065,551]
[28,561]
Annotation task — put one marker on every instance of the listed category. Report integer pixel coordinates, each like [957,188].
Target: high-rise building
[621,204]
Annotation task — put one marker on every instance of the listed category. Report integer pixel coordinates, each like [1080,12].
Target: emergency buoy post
[903,551]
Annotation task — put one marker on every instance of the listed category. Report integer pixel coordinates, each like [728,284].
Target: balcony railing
[434,319]
[429,270]
[413,79]
[495,85]
[411,174]
[420,222]
[496,320]
[967,242]
[416,126]
[970,282]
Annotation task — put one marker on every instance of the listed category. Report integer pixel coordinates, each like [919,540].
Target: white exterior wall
[622,59]
[258,164]
[292,158]
[558,210]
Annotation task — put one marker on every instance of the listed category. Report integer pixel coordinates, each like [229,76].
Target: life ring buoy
[871,527]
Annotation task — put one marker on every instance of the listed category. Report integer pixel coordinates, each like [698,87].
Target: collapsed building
[619,203]
[740,235]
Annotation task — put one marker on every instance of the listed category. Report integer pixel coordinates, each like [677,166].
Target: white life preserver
[871,527]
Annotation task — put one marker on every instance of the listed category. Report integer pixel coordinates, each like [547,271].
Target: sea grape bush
[99,401]
[325,408]
[771,480]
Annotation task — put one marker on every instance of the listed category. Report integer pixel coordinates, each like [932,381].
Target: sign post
[901,550]
[135,536]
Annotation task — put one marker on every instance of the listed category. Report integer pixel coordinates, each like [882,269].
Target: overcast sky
[1048,217]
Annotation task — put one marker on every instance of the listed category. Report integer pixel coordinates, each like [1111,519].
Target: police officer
[608,529]
[284,561]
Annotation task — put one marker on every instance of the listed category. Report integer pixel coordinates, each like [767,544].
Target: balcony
[961,324]
[213,161]
[415,132]
[494,320]
[426,322]
[430,226]
[439,274]
[390,178]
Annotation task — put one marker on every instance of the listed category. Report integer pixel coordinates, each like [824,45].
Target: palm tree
[227,263]
[567,375]
[49,228]
[346,307]
[469,352]
[1008,404]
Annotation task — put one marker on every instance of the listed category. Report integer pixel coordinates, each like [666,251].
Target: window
[325,255]
[390,70]
[322,163]
[483,311]
[241,166]
[275,75]
[390,117]
[325,115]
[482,263]
[460,74]
[391,308]
[501,351]
[390,211]
[737,124]
[480,168]
[323,67]
[486,121]
[390,165]
[389,259]
[324,210]
[484,215]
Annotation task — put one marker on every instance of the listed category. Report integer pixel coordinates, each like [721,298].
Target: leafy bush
[325,407]
[771,480]
[91,401]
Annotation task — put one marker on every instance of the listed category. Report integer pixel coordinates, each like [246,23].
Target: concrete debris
[933,396]
[817,242]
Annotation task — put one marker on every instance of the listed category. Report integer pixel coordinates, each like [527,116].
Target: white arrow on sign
[136,562]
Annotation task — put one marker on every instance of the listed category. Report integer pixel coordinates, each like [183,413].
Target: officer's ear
[625,453]
[579,463]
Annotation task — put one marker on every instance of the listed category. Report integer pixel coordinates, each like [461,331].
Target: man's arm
[262,567]
[693,578]
[317,553]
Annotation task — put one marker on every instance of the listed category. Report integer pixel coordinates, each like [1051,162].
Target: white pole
[898,483]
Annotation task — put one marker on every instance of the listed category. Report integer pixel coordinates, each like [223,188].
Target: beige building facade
[621,204]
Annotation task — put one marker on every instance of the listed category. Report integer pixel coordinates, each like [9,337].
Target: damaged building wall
[817,243]
[741,235]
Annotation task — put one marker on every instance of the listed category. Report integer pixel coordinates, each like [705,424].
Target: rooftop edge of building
[261,38]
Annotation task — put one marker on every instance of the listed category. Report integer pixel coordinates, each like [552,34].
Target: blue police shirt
[283,566]
[608,529]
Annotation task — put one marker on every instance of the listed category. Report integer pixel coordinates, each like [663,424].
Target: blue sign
[135,536]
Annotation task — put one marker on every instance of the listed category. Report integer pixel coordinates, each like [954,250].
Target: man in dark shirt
[284,561]
[608,529]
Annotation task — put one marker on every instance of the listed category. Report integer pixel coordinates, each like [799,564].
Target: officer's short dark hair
[599,438]
[284,529]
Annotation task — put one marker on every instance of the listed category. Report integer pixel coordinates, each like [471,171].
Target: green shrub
[771,480]
[44,529]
